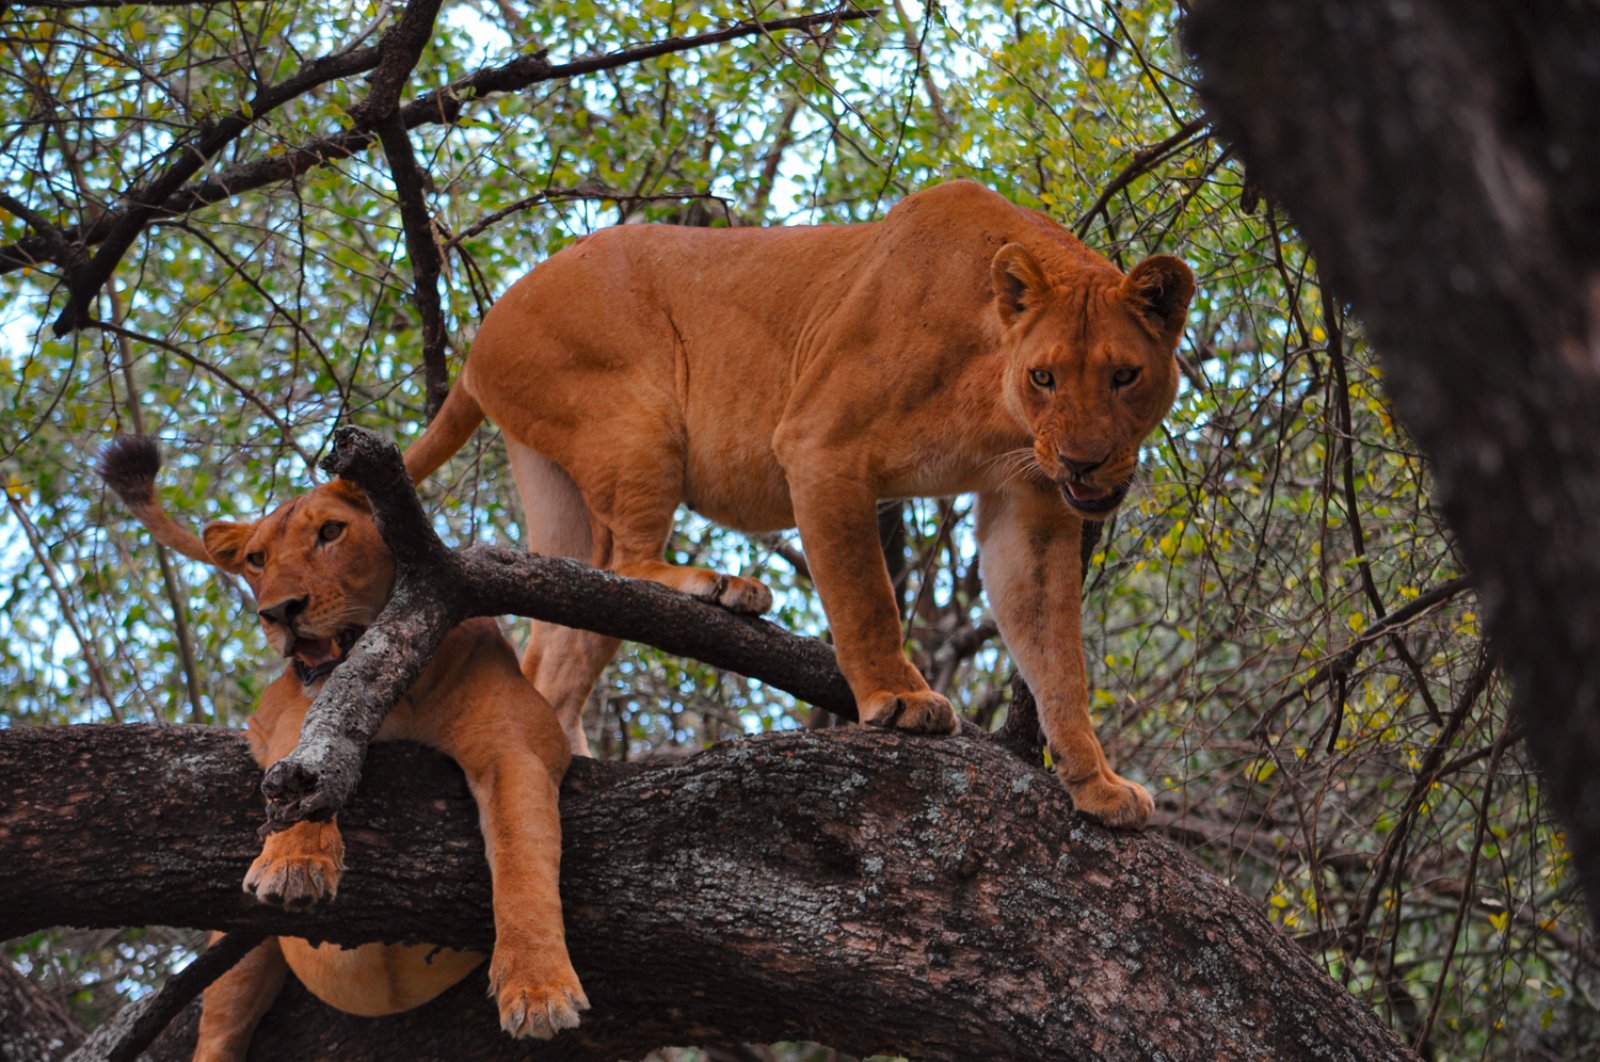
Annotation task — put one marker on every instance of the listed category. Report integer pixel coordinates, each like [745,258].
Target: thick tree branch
[879,892]
[1439,157]
[399,49]
[441,106]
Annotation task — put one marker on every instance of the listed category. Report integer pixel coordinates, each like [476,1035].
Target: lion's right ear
[1019,283]
[225,542]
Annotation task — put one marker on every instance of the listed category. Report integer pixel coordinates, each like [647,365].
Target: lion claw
[536,1008]
[1114,801]
[295,883]
[917,712]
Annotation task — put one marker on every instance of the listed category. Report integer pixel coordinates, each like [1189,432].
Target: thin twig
[1144,160]
[194,359]
[169,577]
[90,657]
[1346,657]
[135,1027]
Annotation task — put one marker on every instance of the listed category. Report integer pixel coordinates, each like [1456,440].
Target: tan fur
[772,378]
[318,566]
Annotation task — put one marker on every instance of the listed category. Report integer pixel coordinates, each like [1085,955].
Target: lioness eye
[330,531]
[1042,378]
[255,560]
[1124,377]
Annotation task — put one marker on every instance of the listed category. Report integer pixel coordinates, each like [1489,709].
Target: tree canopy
[1280,635]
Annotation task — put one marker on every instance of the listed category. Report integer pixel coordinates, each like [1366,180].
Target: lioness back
[702,340]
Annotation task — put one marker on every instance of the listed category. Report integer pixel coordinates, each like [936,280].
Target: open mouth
[314,658]
[1087,499]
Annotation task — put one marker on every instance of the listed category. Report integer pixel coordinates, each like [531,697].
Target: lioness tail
[129,464]
[449,431]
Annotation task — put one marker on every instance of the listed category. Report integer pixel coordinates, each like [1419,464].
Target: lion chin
[315,658]
[1093,502]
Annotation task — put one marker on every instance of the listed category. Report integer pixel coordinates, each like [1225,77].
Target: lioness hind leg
[298,867]
[235,1002]
[563,664]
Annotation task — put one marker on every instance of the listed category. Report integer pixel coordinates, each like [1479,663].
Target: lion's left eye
[1042,378]
[1124,377]
[330,531]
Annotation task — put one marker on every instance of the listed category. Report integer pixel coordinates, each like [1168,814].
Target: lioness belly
[376,979]
[747,493]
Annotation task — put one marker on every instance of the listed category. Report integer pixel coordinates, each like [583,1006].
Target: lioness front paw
[296,882]
[919,712]
[1113,800]
[535,1002]
[298,867]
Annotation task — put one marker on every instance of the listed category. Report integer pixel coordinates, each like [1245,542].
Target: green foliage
[1369,827]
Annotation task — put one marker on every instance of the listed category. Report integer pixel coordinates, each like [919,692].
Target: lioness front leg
[298,867]
[1028,543]
[839,526]
[530,975]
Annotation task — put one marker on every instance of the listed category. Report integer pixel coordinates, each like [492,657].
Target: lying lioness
[773,378]
[321,573]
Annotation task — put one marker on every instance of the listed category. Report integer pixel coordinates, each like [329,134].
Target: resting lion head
[319,570]
[317,565]
[1091,366]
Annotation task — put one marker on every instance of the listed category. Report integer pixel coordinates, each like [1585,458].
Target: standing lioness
[773,378]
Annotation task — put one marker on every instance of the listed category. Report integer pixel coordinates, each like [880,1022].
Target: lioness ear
[1159,290]
[349,492]
[225,542]
[1019,283]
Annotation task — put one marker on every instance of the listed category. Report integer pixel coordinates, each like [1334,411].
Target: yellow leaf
[1500,921]
[1357,622]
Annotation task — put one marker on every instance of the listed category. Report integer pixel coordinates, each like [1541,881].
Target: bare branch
[439,107]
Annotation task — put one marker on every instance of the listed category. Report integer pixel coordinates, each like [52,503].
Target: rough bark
[877,892]
[34,1026]
[1440,158]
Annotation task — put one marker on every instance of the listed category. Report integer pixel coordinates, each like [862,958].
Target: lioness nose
[284,611]
[1081,468]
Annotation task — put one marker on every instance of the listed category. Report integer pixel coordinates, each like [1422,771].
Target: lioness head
[317,565]
[1091,368]
[319,570]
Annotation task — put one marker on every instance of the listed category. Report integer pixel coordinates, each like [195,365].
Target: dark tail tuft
[129,464]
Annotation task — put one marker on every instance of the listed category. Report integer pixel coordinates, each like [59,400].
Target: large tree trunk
[1440,157]
[876,892]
